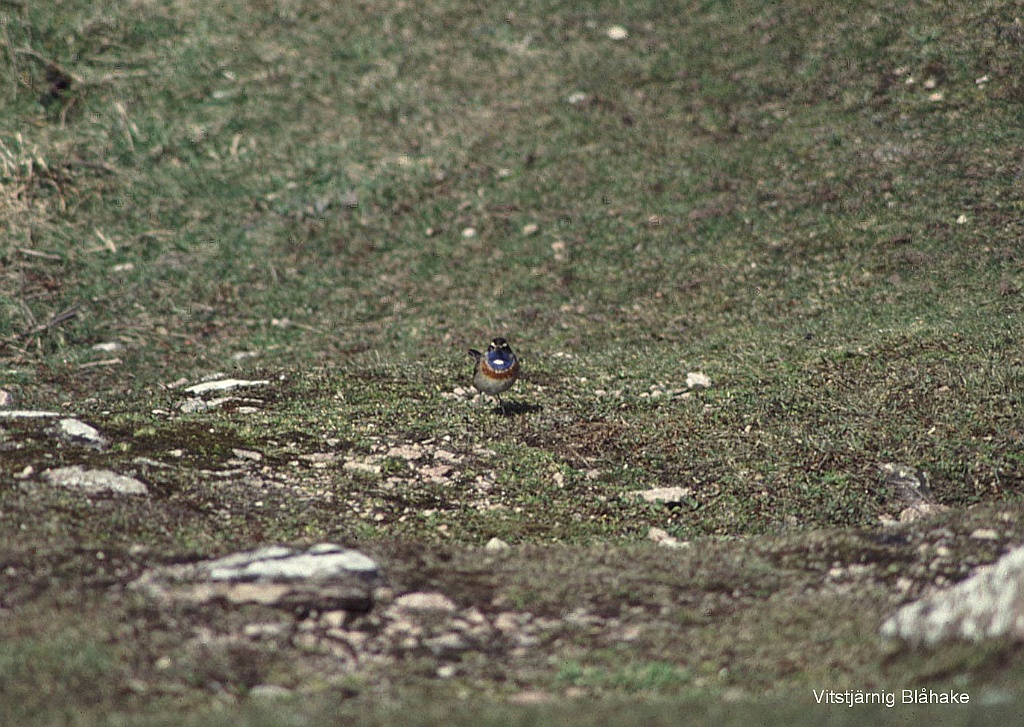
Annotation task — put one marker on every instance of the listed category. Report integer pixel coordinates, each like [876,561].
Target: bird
[496,370]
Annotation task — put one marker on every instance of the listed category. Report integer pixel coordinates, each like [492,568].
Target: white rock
[989,604]
[278,563]
[94,481]
[224,385]
[76,430]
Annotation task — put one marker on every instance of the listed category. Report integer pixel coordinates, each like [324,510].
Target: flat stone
[28,414]
[989,604]
[422,601]
[94,481]
[224,385]
[326,577]
[278,564]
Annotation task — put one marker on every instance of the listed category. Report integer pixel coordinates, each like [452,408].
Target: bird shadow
[515,408]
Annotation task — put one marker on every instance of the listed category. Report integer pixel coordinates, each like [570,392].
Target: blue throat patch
[499,362]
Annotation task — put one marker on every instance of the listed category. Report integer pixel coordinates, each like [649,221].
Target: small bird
[496,370]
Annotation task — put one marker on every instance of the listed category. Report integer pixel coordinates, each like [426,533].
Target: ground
[815,208]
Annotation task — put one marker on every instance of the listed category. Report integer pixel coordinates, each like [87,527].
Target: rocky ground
[531,624]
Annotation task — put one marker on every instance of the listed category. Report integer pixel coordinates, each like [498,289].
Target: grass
[816,207]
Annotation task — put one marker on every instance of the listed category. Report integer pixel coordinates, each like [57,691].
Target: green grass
[817,207]
[633,678]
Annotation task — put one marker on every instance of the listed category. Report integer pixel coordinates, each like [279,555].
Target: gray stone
[28,414]
[224,385]
[77,431]
[326,577]
[422,601]
[94,481]
[281,564]
[989,604]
